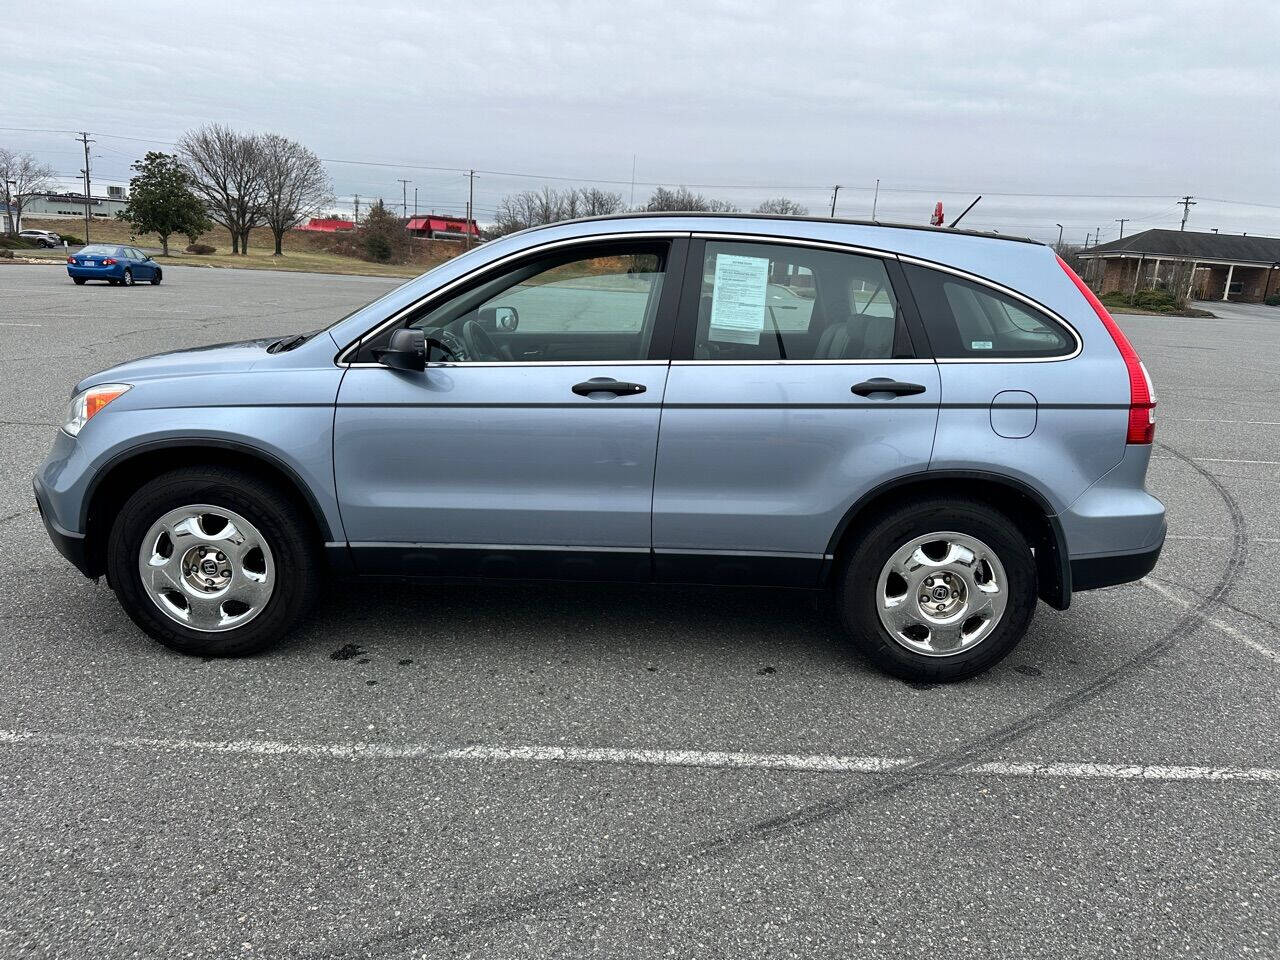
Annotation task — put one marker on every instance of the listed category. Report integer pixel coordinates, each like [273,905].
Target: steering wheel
[480,345]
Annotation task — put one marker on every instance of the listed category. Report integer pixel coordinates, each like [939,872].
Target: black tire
[78,281]
[859,582]
[155,277]
[128,277]
[274,512]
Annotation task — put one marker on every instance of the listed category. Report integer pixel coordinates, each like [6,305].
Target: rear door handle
[619,388]
[885,385]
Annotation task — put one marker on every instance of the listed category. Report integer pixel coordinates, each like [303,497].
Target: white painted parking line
[5,323]
[1251,423]
[1117,771]
[1235,634]
[1223,460]
[639,757]
[1207,536]
[818,763]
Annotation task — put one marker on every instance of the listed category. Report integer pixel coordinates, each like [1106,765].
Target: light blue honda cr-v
[939,426]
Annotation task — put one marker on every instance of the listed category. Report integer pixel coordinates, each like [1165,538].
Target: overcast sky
[941,101]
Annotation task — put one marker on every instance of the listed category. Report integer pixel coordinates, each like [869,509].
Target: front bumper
[70,545]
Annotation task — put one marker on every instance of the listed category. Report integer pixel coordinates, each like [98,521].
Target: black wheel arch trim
[214,443]
[1057,592]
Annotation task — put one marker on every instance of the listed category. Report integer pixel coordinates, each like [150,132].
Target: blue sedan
[114,264]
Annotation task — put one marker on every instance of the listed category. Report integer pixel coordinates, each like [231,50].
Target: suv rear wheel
[213,562]
[939,590]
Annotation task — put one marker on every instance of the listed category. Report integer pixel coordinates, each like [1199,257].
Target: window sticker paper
[738,298]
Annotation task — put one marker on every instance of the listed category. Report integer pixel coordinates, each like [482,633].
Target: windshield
[100,250]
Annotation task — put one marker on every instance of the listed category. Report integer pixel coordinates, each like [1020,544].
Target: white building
[67,201]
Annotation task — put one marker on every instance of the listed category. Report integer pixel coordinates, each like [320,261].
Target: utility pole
[1187,203]
[834,193]
[633,182]
[1122,221]
[415,202]
[357,209]
[875,199]
[1097,235]
[471,197]
[1086,240]
[10,186]
[404,198]
[1059,226]
[84,139]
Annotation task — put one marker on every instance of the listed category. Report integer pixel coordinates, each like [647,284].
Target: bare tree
[683,199]
[295,185]
[21,178]
[595,202]
[782,207]
[228,173]
[531,208]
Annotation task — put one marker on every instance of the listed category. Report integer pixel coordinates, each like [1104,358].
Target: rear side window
[969,321]
[762,301]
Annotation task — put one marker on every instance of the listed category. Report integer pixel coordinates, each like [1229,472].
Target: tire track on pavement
[591,883]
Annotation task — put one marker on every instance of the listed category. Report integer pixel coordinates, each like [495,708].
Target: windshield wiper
[289,343]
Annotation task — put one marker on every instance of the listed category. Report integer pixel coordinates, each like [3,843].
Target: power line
[1187,201]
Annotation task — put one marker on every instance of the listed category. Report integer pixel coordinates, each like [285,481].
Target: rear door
[795,391]
[527,446]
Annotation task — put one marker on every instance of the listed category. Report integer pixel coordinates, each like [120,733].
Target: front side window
[598,303]
[970,321]
[764,301]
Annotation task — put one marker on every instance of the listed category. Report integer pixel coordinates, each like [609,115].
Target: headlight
[87,403]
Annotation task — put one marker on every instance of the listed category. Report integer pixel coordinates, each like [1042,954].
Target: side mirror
[407,350]
[499,319]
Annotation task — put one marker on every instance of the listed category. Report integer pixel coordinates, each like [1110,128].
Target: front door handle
[885,385]
[619,388]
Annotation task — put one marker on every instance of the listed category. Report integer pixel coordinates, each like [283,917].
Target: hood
[216,358]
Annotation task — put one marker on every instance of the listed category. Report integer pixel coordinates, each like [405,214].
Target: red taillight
[109,262]
[1142,395]
[71,259]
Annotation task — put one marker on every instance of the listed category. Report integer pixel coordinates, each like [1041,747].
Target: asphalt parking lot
[568,770]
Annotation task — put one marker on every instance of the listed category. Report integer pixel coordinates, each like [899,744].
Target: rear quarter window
[971,321]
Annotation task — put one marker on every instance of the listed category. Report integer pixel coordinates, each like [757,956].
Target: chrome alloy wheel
[207,568]
[942,594]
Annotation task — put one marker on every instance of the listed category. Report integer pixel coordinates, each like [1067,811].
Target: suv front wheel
[212,561]
[939,590]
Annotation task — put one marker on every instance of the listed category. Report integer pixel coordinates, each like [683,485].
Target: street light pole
[1059,226]
[834,193]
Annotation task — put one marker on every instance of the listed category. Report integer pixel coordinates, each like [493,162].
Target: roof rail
[701,215]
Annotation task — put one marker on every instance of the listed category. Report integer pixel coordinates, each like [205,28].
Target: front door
[527,446]
[794,392]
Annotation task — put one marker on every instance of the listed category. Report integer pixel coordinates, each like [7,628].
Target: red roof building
[444,228]
[328,225]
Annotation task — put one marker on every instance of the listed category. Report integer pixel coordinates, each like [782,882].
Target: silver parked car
[939,427]
[44,238]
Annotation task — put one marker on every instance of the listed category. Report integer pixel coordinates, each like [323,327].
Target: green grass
[303,252]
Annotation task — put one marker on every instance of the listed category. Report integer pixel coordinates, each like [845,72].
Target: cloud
[1101,97]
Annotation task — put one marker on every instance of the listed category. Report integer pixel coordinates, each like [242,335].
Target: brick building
[1215,266]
